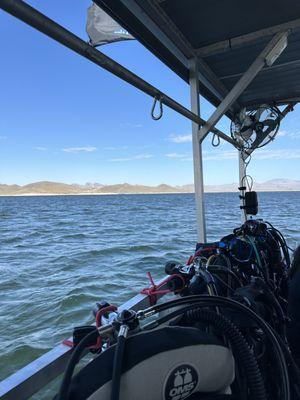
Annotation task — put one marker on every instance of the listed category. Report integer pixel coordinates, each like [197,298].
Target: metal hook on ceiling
[161,111]
[215,140]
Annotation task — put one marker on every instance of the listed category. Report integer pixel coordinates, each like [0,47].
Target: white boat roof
[226,36]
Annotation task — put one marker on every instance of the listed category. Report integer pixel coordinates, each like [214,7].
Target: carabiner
[215,140]
[157,117]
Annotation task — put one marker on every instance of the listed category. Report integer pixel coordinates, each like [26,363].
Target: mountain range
[53,188]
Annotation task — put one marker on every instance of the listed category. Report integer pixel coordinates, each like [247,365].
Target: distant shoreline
[49,188]
[130,193]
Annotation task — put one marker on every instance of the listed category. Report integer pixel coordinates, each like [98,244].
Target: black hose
[214,268]
[240,348]
[284,246]
[280,238]
[293,367]
[220,280]
[280,315]
[117,368]
[281,243]
[75,357]
[216,301]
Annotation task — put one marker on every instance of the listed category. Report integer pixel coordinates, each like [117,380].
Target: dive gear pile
[222,335]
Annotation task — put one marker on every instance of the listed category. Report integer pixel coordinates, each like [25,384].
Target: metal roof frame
[165,28]
[177,45]
[148,21]
[37,20]
[248,76]
[242,40]
[165,32]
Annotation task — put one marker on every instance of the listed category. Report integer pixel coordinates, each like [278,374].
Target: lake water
[61,254]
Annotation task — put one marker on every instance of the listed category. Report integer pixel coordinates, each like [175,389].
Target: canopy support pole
[197,153]
[242,173]
[270,53]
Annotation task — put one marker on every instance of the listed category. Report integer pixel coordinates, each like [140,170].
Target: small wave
[64,223]
[107,251]
[77,300]
[5,268]
[12,239]
[74,236]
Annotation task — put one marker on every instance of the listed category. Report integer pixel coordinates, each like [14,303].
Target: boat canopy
[225,36]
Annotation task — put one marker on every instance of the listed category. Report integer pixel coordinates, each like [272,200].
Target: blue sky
[64,119]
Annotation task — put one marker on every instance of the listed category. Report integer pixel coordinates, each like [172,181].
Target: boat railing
[36,375]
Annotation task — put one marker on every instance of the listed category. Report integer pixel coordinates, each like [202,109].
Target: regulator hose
[280,238]
[75,357]
[262,269]
[278,309]
[292,365]
[214,268]
[239,345]
[117,367]
[283,244]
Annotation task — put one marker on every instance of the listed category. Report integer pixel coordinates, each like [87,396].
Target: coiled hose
[240,347]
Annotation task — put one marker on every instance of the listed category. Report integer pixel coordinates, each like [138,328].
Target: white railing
[33,377]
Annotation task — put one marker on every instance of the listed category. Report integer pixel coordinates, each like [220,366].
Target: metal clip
[215,140]
[157,117]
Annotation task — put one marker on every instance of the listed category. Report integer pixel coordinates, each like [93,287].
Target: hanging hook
[157,117]
[215,140]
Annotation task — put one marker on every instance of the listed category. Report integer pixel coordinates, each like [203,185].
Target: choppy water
[59,255]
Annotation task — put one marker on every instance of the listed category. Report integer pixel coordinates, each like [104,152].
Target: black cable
[284,246]
[278,237]
[282,242]
[213,268]
[293,367]
[264,272]
[241,351]
[250,185]
[280,315]
[75,357]
[214,301]
[117,368]
[273,248]
[292,250]
[223,283]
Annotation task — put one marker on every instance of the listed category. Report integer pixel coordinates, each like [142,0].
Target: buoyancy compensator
[169,363]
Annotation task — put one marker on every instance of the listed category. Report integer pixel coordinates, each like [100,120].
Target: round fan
[256,128]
